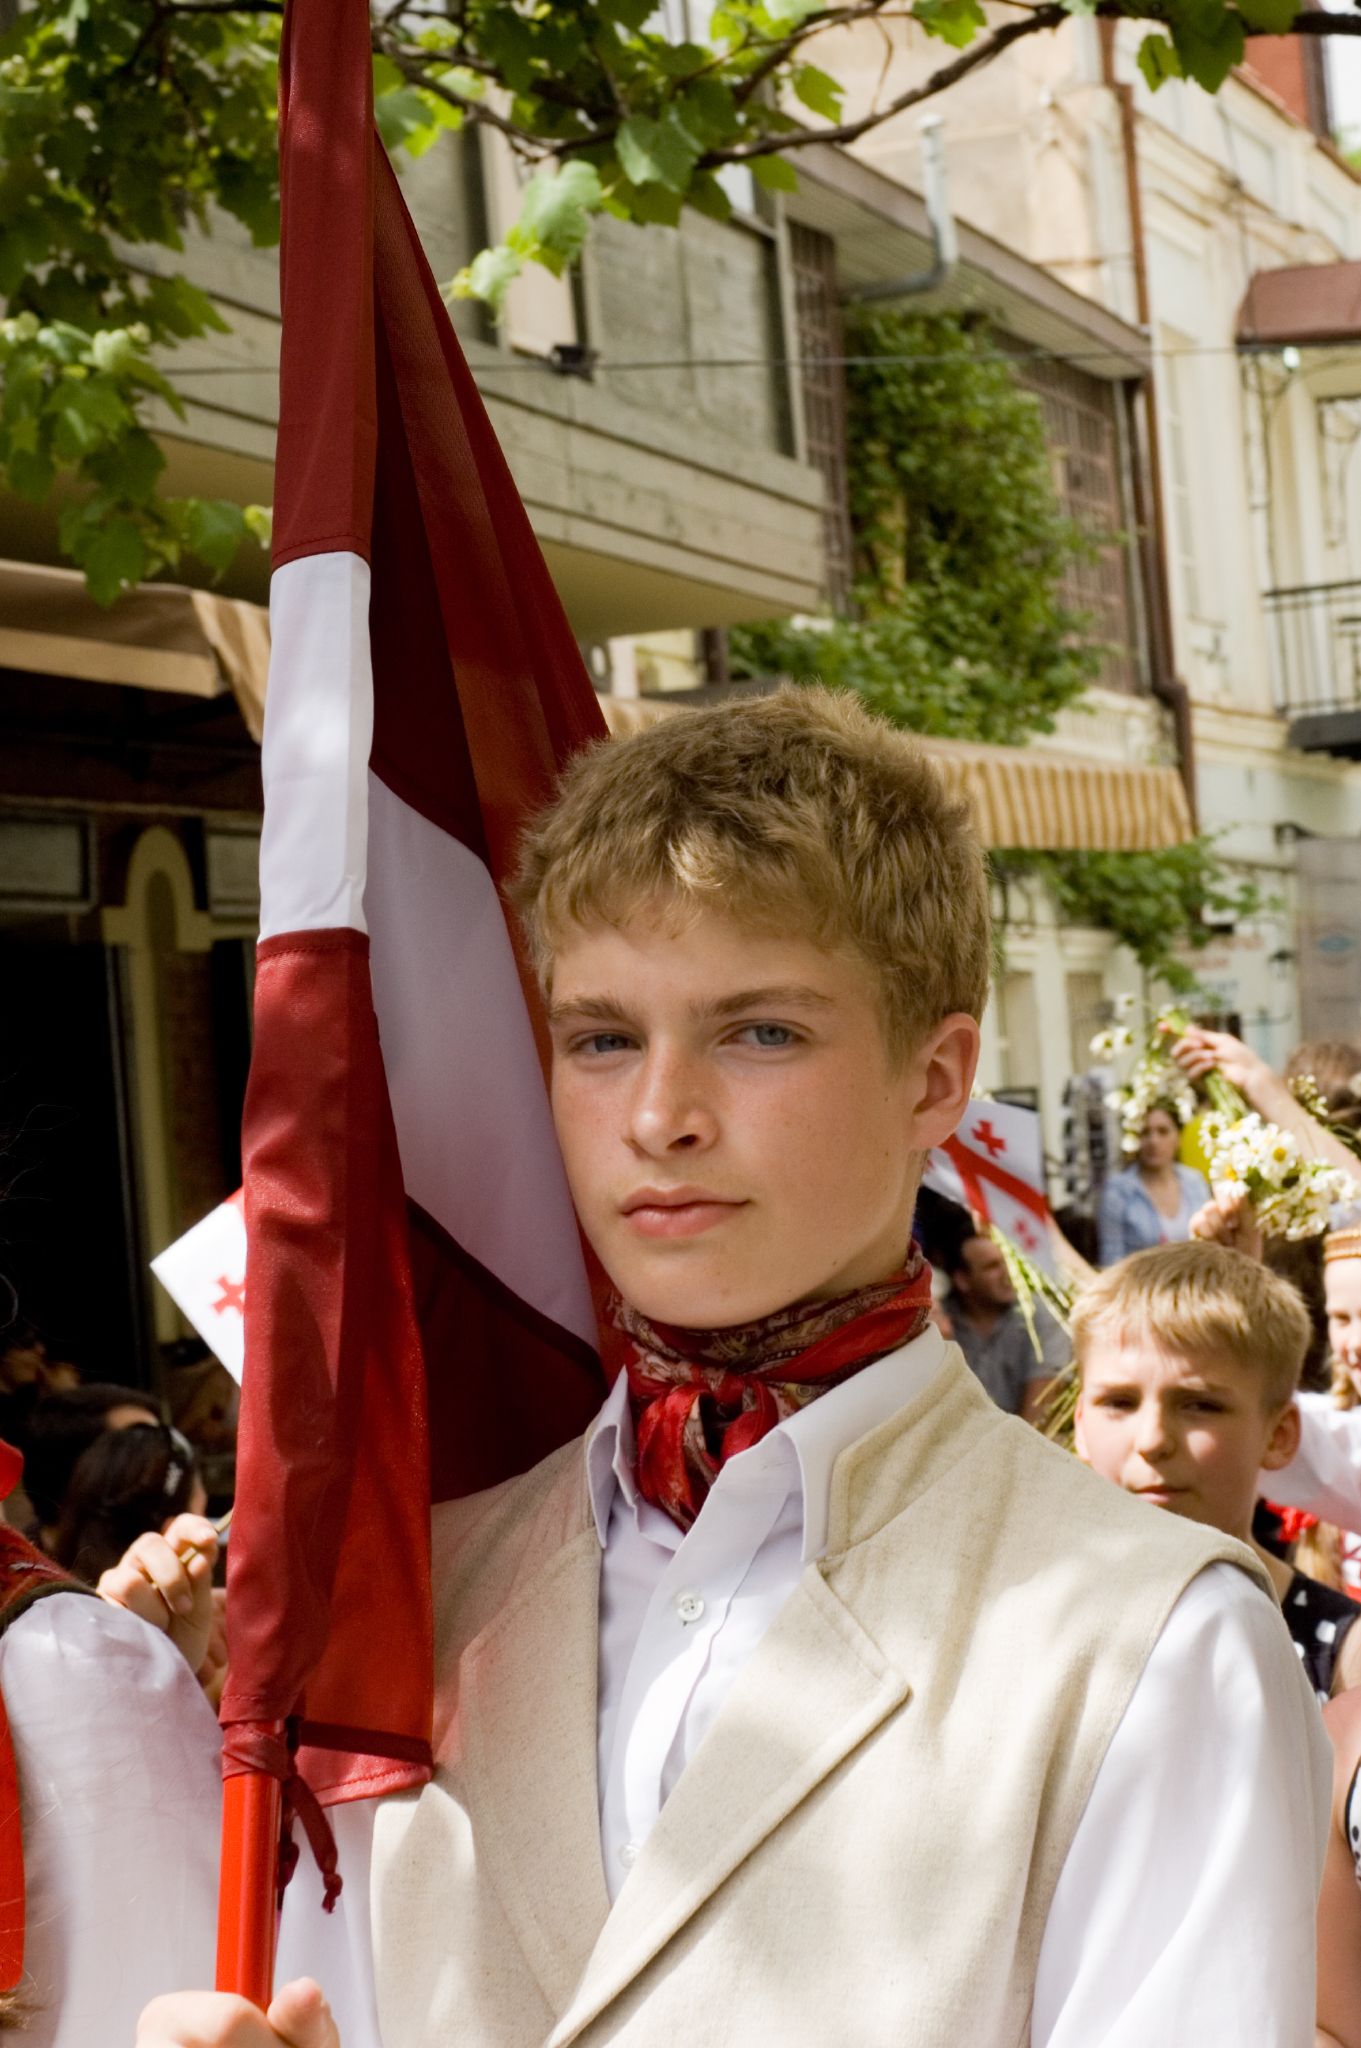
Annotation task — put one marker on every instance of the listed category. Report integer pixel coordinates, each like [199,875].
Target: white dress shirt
[120,1794]
[1185,1910]
[1184,1914]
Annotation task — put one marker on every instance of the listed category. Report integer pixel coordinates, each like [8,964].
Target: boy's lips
[677,1212]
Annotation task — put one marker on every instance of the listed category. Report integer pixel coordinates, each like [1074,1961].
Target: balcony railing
[1316,657]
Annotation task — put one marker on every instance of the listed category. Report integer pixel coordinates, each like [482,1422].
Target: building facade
[1224,228]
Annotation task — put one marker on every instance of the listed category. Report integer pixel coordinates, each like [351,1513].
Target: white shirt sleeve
[1324,1476]
[1184,1913]
[337,1947]
[120,1797]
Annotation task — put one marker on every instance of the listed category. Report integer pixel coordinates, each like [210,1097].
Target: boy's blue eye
[604,1041]
[772,1036]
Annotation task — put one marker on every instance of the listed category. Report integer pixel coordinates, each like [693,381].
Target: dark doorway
[66,1212]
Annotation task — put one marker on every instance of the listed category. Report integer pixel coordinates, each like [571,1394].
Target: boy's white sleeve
[1324,1476]
[1184,1913]
[120,1794]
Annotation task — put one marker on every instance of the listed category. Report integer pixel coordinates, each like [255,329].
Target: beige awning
[1060,803]
[1026,797]
[164,636]
[161,636]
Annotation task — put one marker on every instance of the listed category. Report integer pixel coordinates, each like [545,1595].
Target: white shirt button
[628,1855]
[689,1607]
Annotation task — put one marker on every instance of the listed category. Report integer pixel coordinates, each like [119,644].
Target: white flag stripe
[318,733]
[204,1273]
[473,1124]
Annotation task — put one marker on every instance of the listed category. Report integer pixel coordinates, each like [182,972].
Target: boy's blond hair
[796,811]
[1202,1301]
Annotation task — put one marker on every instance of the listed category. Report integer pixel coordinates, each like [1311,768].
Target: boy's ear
[1284,1440]
[1080,1431]
[942,1070]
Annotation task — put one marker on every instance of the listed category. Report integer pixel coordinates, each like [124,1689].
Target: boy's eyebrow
[783,995]
[603,1009]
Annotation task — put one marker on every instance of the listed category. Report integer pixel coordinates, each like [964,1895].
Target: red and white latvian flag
[994,1166]
[419,1320]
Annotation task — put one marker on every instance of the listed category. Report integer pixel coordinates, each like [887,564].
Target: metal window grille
[1084,442]
[817,315]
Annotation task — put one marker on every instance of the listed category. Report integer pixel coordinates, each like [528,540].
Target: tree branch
[1050,15]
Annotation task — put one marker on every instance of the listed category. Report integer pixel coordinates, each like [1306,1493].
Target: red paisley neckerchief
[701,1396]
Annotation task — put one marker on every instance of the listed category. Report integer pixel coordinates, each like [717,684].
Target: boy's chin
[695,1301]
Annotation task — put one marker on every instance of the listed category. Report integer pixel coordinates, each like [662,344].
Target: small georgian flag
[204,1273]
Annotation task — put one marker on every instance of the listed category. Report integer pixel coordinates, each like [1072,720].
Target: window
[1085,446]
[820,345]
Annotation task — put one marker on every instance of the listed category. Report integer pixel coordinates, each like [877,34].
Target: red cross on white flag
[204,1273]
[994,1166]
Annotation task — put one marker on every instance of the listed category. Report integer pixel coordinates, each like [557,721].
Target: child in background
[1189,1356]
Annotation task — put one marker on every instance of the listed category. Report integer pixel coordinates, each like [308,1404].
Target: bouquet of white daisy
[1291,1195]
[1290,1192]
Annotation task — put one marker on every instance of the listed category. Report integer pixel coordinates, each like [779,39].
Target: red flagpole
[247,1908]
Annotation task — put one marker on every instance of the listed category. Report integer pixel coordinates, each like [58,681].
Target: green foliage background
[958,626]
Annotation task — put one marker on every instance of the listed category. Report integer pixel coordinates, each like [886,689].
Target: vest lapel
[528,1693]
[816,1687]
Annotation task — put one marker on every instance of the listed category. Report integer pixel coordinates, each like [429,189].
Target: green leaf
[114,560]
[655,152]
[113,350]
[1158,61]
[1275,16]
[787,14]
[403,120]
[819,92]
[628,13]
[489,276]
[707,196]
[1209,45]
[259,523]
[31,474]
[956,22]
[556,209]
[775,173]
[84,415]
[214,529]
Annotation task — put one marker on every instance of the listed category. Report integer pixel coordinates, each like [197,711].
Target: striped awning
[161,636]
[1026,797]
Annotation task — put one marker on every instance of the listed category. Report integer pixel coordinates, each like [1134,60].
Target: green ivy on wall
[1157,904]
[958,626]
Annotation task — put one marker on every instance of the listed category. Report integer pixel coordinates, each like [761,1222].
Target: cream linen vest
[864,1848]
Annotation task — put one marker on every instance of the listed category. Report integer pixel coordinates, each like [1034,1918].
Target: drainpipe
[944,240]
[1168,687]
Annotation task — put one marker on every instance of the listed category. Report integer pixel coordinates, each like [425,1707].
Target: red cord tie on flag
[251,1747]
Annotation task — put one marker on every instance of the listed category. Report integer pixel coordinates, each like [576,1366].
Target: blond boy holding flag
[808,1698]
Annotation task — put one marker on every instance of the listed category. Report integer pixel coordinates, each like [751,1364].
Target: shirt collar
[816,1435]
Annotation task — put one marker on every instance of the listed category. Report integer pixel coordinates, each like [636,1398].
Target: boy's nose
[668,1112]
[1154,1436]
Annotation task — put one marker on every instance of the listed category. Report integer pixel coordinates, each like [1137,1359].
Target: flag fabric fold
[418,1321]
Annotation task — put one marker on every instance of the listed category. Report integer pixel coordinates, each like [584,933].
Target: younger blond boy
[1189,1357]
[808,1698]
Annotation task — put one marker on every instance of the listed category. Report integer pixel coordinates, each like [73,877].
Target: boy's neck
[1277,1570]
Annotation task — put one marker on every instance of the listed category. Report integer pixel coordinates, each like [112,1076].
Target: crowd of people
[937,1738]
